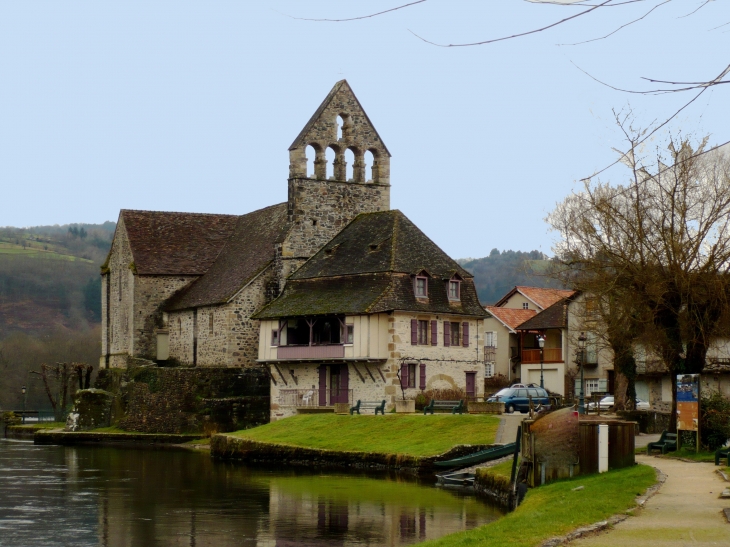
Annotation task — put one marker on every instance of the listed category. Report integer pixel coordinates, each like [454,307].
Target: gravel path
[686,511]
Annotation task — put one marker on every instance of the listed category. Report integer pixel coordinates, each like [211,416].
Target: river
[114,497]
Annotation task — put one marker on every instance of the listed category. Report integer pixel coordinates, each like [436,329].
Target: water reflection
[126,497]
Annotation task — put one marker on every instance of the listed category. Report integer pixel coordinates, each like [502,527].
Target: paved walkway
[507,432]
[686,511]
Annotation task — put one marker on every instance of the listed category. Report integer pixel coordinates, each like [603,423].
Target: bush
[424,398]
[495,383]
[715,420]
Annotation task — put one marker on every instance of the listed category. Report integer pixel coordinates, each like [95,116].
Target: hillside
[49,277]
[496,274]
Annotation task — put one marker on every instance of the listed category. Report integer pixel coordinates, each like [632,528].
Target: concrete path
[686,511]
[507,432]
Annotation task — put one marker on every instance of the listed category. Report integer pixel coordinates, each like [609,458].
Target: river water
[91,496]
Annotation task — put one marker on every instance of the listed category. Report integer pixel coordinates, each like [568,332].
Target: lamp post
[541,343]
[23,391]
[581,358]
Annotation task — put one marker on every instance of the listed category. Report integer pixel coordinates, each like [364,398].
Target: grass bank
[411,435]
[555,510]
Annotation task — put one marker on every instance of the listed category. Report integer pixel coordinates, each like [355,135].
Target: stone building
[183,286]
[329,289]
[379,313]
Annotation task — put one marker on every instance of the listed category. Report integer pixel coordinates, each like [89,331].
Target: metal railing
[303,398]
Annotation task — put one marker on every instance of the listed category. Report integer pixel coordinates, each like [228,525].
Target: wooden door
[322,385]
[471,385]
[340,384]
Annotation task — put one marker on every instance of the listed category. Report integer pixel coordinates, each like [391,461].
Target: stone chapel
[182,287]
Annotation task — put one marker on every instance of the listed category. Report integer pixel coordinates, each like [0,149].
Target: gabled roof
[554,317]
[249,250]
[511,317]
[343,93]
[165,243]
[368,268]
[385,241]
[543,298]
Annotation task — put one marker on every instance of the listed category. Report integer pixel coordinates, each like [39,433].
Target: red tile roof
[542,297]
[510,316]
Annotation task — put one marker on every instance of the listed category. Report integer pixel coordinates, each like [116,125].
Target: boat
[456,479]
[479,457]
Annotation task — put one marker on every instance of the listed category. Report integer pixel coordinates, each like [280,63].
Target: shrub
[424,398]
[715,420]
[495,383]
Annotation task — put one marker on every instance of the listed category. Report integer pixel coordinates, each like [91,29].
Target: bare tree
[655,251]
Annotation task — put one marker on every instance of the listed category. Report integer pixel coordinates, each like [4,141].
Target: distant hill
[49,276]
[498,273]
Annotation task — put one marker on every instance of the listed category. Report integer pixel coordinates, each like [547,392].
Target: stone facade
[373,367]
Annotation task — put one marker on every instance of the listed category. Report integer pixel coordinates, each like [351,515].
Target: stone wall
[150,291]
[180,325]
[117,326]
[319,209]
[187,400]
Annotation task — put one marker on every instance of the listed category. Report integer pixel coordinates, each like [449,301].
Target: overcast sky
[191,106]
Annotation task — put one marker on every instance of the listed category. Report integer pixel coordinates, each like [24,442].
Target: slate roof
[554,317]
[540,296]
[248,251]
[511,317]
[369,267]
[165,243]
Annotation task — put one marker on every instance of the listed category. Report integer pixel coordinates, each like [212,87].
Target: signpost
[688,406]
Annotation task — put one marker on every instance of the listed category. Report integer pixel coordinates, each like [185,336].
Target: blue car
[518,398]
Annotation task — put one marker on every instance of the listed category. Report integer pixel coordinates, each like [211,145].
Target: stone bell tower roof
[357,131]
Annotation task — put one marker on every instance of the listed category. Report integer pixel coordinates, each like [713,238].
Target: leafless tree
[655,251]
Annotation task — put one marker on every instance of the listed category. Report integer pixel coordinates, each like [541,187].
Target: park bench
[379,406]
[454,406]
[666,443]
[722,452]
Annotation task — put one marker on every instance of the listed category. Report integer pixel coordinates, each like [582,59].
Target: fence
[303,398]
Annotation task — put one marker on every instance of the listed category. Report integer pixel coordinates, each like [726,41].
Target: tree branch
[355,18]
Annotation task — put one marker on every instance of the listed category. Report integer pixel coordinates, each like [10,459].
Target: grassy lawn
[412,435]
[555,510]
[691,454]
[504,469]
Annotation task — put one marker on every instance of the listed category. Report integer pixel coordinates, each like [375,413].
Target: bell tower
[319,206]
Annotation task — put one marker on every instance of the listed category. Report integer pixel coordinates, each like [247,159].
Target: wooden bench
[379,406]
[722,452]
[666,443]
[454,406]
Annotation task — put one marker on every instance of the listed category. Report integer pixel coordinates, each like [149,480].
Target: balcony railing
[334,351]
[551,355]
[303,398]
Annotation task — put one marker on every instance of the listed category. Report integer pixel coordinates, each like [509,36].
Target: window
[210,323]
[423,333]
[490,339]
[412,375]
[454,290]
[455,338]
[275,337]
[525,306]
[591,386]
[488,370]
[350,336]
[421,287]
[179,326]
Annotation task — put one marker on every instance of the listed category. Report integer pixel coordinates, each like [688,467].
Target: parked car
[518,398]
[607,402]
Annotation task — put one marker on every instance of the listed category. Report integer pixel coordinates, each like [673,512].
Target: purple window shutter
[447,334]
[465,334]
[414,332]
[434,333]
[422,374]
[404,375]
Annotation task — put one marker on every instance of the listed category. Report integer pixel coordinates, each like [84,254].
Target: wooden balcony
[552,355]
[334,351]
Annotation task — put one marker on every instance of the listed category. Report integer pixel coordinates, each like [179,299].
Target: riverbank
[405,442]
[69,438]
[27,431]
[559,508]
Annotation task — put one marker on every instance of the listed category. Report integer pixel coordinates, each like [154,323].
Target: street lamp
[581,358]
[541,343]
[23,391]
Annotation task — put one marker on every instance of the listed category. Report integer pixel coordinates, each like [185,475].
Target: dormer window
[454,289]
[421,286]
